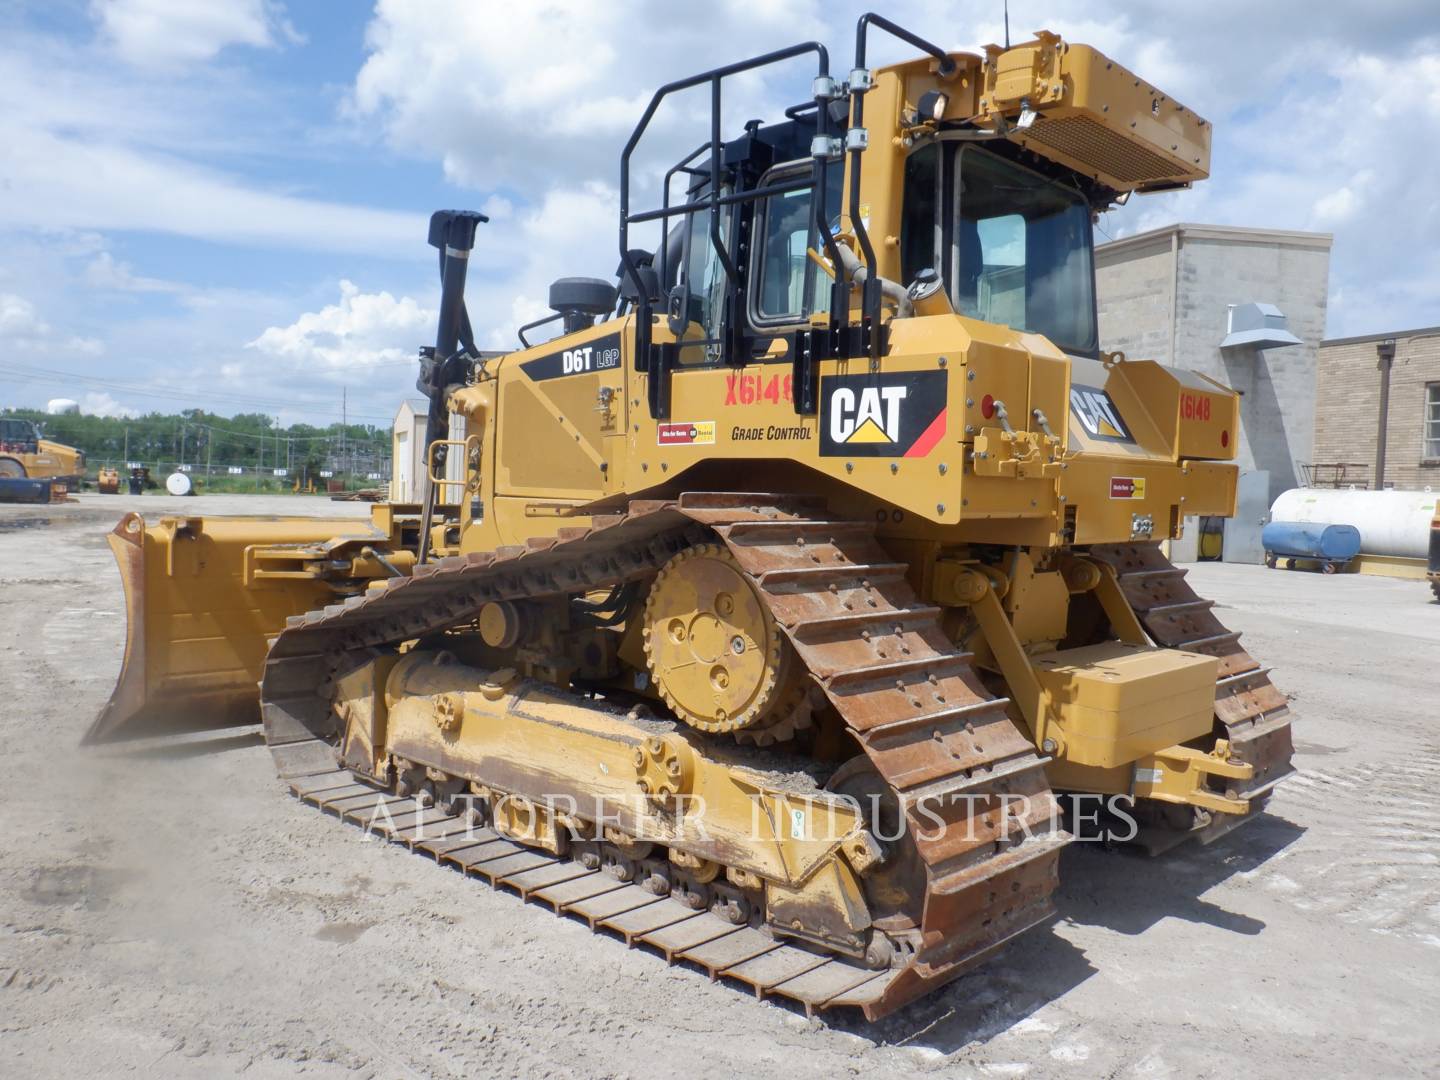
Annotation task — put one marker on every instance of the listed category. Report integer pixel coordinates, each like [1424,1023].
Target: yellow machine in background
[802,590]
[23,453]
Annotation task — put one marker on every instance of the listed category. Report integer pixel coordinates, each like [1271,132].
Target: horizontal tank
[22,490]
[1389,522]
[1311,540]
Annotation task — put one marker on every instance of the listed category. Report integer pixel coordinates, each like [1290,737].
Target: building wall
[1348,405]
[409,447]
[1133,288]
[1196,272]
[406,453]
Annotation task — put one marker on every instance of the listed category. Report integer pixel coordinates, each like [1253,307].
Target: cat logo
[889,415]
[872,416]
[1097,414]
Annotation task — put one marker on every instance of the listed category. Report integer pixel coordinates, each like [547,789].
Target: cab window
[1023,252]
[920,229]
[17,432]
[705,278]
[789,286]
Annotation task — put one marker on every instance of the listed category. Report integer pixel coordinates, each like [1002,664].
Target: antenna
[1007,23]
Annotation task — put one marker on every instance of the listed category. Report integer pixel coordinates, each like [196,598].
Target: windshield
[1020,251]
[18,431]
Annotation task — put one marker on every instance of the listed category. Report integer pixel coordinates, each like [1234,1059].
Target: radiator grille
[1104,150]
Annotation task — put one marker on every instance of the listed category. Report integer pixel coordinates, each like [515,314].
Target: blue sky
[223,204]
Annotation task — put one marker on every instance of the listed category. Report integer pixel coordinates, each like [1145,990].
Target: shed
[409,441]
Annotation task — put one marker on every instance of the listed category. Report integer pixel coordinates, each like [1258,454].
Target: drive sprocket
[714,650]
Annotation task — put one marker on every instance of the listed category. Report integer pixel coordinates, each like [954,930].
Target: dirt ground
[165,910]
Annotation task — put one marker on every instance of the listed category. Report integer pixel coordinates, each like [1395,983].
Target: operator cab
[983,176]
[782,286]
[19,436]
[1011,238]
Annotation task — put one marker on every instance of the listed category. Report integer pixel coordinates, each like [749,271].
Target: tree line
[197,438]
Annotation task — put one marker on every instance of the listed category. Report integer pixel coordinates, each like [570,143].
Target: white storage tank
[1390,522]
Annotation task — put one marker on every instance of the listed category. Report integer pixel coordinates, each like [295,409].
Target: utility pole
[344,424]
[1385,352]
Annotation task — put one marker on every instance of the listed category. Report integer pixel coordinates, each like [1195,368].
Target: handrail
[825,91]
[714,202]
[870,294]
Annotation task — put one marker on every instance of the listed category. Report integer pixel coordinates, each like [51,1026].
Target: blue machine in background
[1332,546]
[23,490]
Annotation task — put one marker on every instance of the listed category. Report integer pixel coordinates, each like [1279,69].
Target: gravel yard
[166,910]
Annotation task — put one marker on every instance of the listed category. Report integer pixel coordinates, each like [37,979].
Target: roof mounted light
[932,105]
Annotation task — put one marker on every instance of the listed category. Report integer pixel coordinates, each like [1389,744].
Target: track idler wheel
[715,652]
[894,889]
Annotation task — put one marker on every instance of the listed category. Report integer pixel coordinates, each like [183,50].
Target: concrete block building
[1180,295]
[1349,417]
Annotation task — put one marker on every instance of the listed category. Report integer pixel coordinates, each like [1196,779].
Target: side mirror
[677,309]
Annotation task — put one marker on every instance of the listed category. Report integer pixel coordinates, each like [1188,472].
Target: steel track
[1250,711]
[970,785]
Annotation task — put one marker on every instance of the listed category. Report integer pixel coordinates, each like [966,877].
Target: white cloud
[102,404]
[59,182]
[554,95]
[87,146]
[18,318]
[106,272]
[569,233]
[362,330]
[173,33]
[23,331]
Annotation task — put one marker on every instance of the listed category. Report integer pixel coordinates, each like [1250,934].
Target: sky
[223,205]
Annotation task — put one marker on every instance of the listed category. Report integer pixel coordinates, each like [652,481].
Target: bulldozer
[804,594]
[26,453]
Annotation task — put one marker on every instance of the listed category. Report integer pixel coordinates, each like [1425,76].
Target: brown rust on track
[1249,710]
[943,745]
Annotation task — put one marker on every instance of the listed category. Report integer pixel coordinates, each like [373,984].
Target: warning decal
[1127,487]
[695,433]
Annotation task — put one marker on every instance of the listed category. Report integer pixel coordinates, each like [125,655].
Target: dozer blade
[200,620]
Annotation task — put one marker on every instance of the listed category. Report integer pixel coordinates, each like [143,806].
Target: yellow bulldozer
[805,594]
[25,453]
